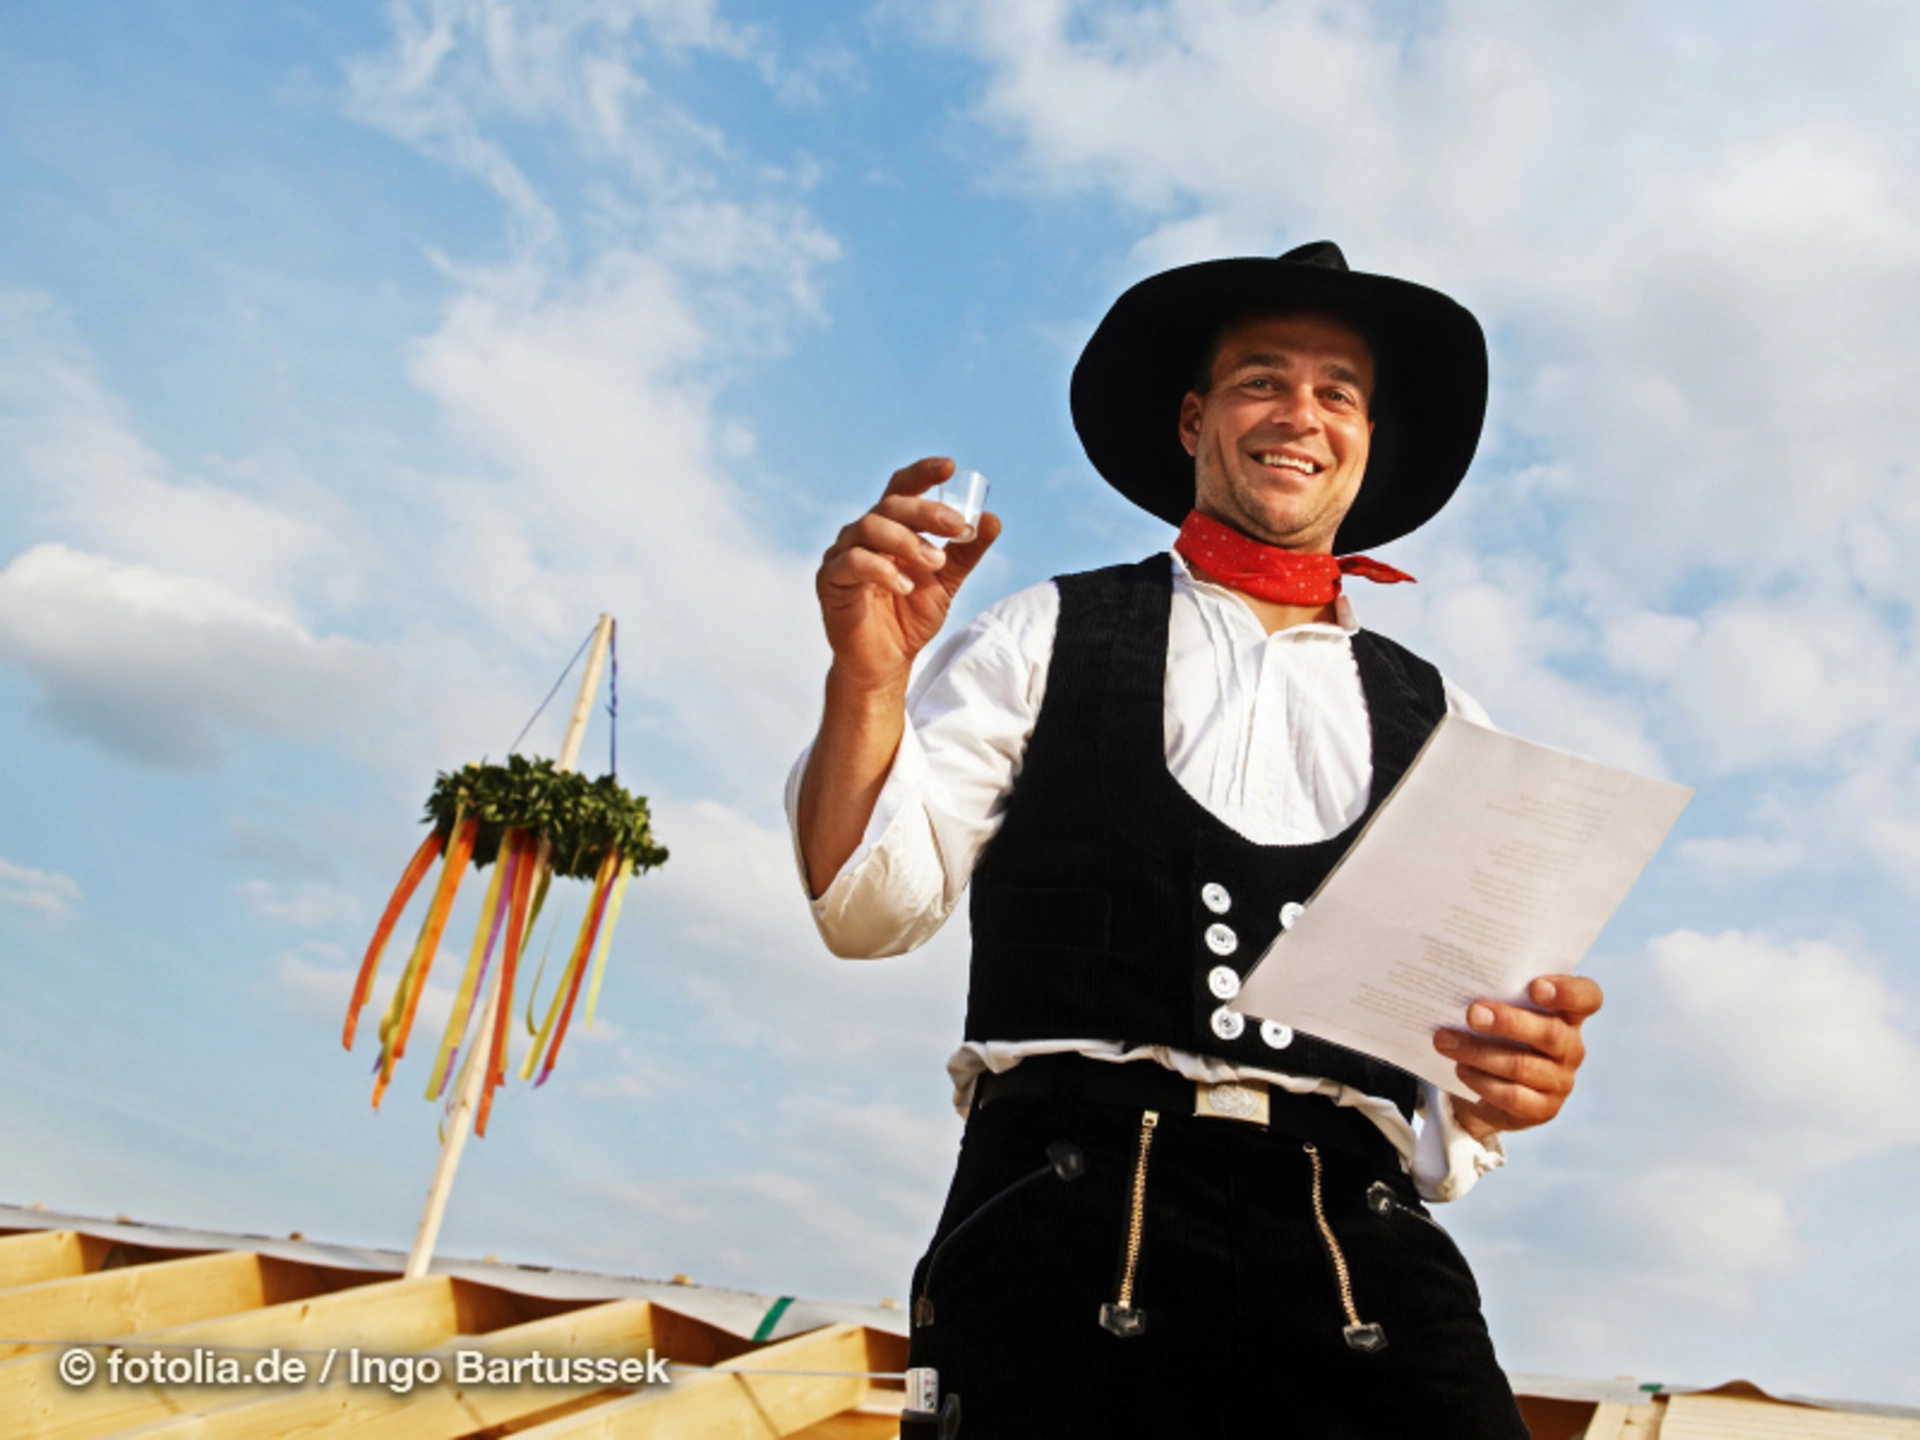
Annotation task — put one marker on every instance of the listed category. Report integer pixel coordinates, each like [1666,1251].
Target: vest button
[1216,898]
[1228,1024]
[1290,912]
[1224,982]
[1277,1036]
[1221,939]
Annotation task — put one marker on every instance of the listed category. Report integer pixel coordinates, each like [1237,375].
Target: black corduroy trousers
[1244,1289]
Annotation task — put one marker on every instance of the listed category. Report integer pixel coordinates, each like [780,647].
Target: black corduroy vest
[1112,905]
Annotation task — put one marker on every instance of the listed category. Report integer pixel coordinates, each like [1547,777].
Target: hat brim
[1430,363]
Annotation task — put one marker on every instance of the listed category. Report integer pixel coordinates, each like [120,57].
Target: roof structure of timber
[738,1364]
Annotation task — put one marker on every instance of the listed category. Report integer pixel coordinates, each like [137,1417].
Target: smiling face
[1280,438]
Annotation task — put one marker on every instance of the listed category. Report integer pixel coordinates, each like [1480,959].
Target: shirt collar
[1343,622]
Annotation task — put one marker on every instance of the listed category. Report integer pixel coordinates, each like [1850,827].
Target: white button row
[1230,1025]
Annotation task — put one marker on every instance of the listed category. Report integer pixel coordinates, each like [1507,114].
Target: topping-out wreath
[531,821]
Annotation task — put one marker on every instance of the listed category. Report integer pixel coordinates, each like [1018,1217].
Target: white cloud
[854,1197]
[1698,1221]
[731,915]
[1505,640]
[306,904]
[153,665]
[585,374]
[1804,1042]
[1741,857]
[597,404]
[77,466]
[1734,1080]
[458,65]
[44,892]
[1771,689]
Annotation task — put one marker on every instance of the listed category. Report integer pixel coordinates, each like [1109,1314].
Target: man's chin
[1284,528]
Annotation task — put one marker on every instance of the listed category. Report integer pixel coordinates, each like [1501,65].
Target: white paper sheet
[1493,861]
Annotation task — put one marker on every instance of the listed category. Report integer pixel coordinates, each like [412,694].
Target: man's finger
[1549,1034]
[922,514]
[1517,1063]
[876,532]
[1519,1107]
[920,477]
[857,567]
[1573,996]
[962,558]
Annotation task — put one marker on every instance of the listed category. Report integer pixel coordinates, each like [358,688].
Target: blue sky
[352,358]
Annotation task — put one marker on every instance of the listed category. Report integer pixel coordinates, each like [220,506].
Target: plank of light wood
[1728,1417]
[48,1255]
[618,1328]
[872,1419]
[1615,1421]
[1609,1421]
[145,1297]
[394,1315]
[729,1402]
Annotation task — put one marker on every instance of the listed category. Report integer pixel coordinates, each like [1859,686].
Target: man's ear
[1190,407]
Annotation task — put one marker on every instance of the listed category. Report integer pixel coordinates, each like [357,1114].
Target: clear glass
[967,493]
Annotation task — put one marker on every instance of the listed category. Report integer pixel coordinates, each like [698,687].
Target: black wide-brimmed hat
[1430,381]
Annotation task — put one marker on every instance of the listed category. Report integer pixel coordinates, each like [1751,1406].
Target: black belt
[1145,1085]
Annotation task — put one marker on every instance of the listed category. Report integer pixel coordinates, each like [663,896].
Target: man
[1166,1222]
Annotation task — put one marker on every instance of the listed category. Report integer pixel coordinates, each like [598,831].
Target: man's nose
[1296,408]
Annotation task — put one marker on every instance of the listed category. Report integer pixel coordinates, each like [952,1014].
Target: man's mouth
[1299,464]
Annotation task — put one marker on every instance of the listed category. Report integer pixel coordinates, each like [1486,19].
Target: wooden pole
[475,1075]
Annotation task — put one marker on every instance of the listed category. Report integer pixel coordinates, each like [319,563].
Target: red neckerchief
[1285,577]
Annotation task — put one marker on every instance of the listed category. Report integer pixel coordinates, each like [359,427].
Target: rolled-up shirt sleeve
[969,715]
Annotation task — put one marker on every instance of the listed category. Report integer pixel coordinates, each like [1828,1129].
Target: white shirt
[1269,732]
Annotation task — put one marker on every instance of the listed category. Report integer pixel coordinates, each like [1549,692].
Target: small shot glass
[966,492]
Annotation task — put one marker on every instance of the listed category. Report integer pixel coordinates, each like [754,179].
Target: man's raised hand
[885,592]
[1520,1062]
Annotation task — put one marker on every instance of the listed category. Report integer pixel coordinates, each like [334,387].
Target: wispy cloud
[43,892]
[1736,1078]
[306,904]
[152,664]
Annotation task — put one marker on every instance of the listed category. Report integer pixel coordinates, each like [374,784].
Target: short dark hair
[1202,381]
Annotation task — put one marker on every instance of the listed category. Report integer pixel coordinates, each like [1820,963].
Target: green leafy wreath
[530,820]
[580,819]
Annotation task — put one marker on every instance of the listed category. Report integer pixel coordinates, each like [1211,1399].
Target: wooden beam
[393,1315]
[730,1402]
[103,1305]
[1609,1421]
[617,1329]
[1730,1417]
[1643,1421]
[49,1255]
[870,1420]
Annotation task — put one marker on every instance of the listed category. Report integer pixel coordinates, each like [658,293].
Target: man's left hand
[1520,1062]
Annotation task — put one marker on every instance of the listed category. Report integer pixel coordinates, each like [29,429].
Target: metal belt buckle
[1243,1100]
